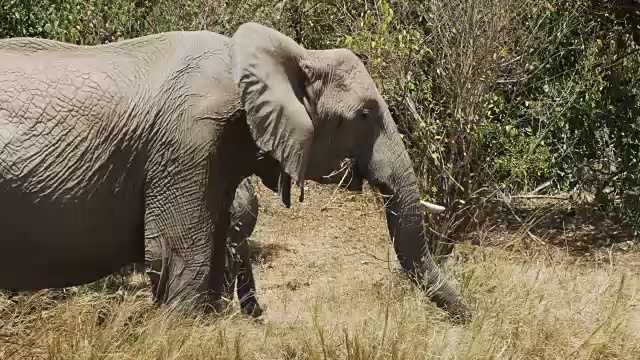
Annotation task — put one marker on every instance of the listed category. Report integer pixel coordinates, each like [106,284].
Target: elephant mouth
[348,176]
[356,180]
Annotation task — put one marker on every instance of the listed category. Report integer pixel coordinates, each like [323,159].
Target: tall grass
[525,309]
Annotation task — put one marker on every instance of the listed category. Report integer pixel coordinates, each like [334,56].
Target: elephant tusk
[432,208]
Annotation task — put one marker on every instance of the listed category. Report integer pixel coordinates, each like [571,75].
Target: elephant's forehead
[355,82]
[357,79]
[348,73]
[365,90]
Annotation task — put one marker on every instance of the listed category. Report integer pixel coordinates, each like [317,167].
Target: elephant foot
[462,316]
[216,305]
[251,308]
[458,312]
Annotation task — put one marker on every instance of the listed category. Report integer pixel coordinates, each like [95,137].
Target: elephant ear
[270,72]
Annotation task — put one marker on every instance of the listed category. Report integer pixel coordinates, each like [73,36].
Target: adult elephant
[103,147]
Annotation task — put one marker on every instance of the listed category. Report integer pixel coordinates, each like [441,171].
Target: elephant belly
[46,244]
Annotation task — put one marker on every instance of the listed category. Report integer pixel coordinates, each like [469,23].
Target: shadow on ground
[264,253]
[112,285]
[578,229]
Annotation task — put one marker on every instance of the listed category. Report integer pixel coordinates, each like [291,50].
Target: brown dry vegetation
[327,278]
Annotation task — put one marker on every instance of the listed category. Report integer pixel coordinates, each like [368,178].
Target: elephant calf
[243,218]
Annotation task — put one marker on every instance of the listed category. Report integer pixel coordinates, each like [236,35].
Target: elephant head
[311,109]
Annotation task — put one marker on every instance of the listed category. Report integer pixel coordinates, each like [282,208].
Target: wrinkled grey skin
[103,147]
[243,216]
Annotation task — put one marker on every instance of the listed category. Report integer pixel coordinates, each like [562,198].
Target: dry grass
[330,291]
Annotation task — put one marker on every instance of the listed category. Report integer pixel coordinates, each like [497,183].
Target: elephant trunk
[391,172]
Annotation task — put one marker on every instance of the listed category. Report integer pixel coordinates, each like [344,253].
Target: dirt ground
[337,239]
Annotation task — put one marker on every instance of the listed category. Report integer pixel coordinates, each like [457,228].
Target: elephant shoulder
[197,42]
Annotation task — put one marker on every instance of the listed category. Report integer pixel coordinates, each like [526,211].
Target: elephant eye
[365,113]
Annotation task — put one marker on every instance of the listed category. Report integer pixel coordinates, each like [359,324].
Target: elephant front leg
[246,282]
[178,241]
[232,265]
[239,271]
[153,256]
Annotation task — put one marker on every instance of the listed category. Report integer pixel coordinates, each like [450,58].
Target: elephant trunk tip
[450,302]
[443,295]
[459,313]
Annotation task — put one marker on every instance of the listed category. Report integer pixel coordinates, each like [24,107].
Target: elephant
[108,149]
